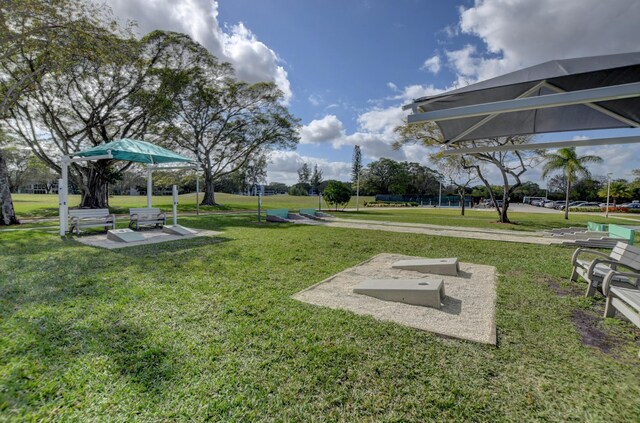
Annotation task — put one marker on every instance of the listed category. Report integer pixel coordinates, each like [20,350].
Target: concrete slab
[422,292]
[149,237]
[467,312]
[178,230]
[124,235]
[441,266]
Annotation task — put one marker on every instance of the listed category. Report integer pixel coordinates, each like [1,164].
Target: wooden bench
[146,216]
[594,271]
[624,299]
[90,218]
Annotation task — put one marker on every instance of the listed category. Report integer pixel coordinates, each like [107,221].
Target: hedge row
[390,204]
[604,209]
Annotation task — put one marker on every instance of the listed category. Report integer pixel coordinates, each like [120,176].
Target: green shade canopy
[134,151]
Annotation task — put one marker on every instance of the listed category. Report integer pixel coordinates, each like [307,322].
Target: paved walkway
[450,231]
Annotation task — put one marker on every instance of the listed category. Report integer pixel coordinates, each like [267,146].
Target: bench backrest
[311,212]
[146,211]
[617,231]
[626,254]
[283,213]
[88,213]
[596,227]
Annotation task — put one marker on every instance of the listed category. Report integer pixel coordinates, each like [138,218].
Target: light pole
[608,191]
[358,192]
[440,194]
[546,188]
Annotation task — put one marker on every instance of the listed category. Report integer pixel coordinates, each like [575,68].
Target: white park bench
[146,216]
[624,299]
[90,218]
[623,258]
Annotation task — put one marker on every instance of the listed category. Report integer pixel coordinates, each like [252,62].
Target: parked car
[551,204]
[561,205]
[588,205]
[629,205]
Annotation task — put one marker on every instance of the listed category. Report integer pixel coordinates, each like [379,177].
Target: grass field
[42,205]
[205,330]
[34,206]
[481,219]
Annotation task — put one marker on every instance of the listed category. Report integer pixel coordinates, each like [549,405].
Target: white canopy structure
[122,149]
[590,93]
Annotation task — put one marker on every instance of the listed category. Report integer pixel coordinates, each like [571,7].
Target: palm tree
[618,190]
[571,165]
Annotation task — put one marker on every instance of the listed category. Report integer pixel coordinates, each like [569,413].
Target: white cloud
[432,64]
[381,121]
[519,33]
[283,167]
[316,99]
[327,129]
[252,59]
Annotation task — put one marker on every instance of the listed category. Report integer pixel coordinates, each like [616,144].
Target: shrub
[337,193]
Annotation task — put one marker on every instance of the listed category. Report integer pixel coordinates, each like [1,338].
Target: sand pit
[468,311]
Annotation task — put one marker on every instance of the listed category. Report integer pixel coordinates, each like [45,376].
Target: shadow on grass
[43,276]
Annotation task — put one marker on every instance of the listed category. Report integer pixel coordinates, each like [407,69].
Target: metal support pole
[358,192]
[197,194]
[63,196]
[259,206]
[608,191]
[149,185]
[175,205]
[440,195]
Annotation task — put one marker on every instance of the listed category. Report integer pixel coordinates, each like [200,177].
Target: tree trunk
[209,197]
[504,217]
[7,213]
[95,192]
[461,195]
[566,201]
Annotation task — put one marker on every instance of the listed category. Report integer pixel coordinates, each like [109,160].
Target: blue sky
[346,67]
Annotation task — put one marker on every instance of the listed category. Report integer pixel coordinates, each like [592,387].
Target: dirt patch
[563,291]
[587,326]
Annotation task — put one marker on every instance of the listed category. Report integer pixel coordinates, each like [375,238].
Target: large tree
[52,35]
[511,165]
[386,176]
[119,93]
[224,122]
[567,161]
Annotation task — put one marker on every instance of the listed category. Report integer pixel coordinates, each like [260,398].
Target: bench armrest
[574,259]
[606,283]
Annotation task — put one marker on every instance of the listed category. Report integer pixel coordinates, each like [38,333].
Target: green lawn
[481,219]
[42,205]
[205,330]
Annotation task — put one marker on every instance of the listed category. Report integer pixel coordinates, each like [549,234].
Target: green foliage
[356,164]
[337,194]
[316,179]
[571,165]
[301,188]
[618,191]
